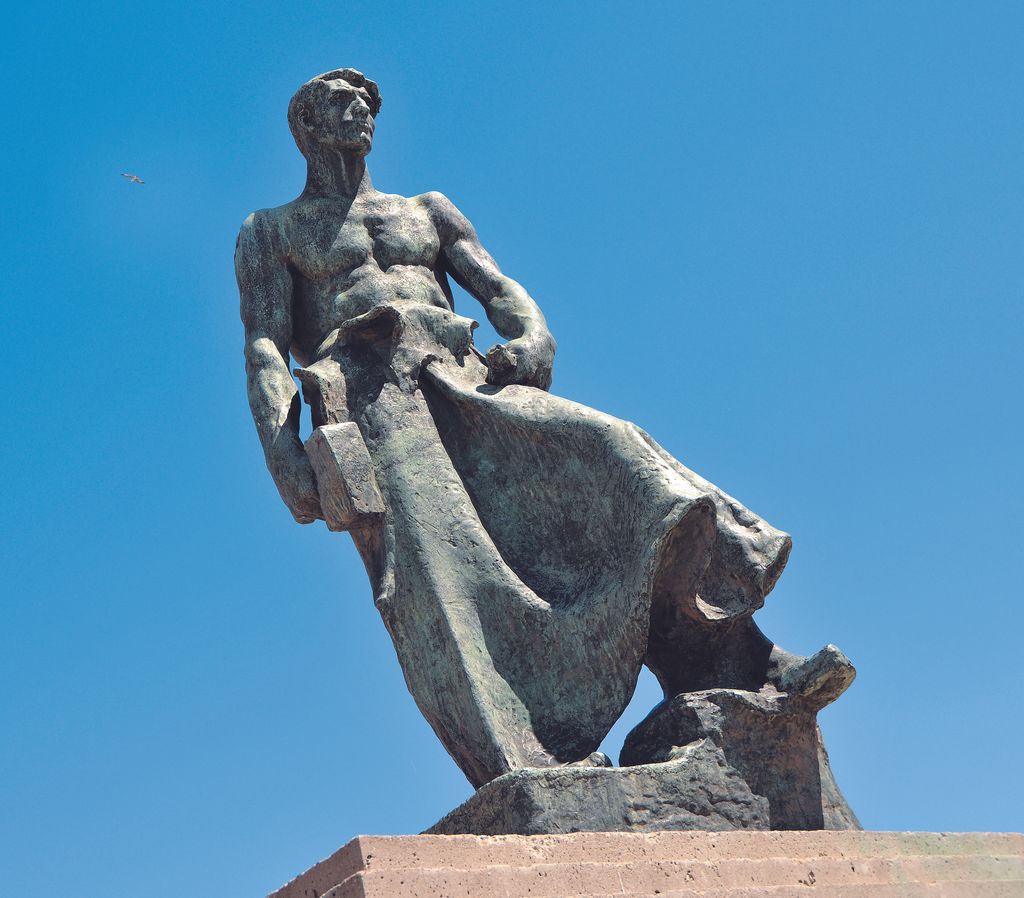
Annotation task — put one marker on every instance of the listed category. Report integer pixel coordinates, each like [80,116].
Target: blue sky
[786,239]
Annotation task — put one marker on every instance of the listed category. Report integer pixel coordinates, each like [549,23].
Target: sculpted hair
[309,91]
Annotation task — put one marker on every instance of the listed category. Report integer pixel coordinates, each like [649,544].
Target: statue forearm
[273,398]
[514,314]
[529,355]
[276,406]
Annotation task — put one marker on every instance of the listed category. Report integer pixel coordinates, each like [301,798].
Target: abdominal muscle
[365,288]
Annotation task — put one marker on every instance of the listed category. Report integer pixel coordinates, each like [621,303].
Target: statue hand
[295,481]
[525,360]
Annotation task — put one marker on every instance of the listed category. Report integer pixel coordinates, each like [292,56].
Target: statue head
[335,110]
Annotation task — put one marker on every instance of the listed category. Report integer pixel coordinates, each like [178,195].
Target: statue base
[721,759]
[672,865]
[698,791]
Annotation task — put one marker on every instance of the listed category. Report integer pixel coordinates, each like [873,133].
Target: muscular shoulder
[261,260]
[264,233]
[259,242]
[451,224]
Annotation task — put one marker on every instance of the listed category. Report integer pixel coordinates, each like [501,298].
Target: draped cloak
[533,552]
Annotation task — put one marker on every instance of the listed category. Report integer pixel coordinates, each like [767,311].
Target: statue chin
[361,142]
[327,144]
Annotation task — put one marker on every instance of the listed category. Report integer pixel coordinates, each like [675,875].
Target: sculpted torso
[340,249]
[345,259]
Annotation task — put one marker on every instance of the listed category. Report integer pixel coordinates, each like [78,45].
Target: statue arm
[265,290]
[529,354]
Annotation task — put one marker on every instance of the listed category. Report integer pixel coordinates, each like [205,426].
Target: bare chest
[330,245]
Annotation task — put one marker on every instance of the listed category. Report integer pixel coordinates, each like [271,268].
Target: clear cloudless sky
[787,239]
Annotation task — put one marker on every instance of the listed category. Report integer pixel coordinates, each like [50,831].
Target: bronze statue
[527,554]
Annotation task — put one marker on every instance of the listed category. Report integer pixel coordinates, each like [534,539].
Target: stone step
[974,889]
[641,878]
[964,889]
[382,853]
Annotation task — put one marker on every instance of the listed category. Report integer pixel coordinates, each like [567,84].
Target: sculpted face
[339,115]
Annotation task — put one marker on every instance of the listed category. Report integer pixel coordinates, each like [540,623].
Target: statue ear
[305,116]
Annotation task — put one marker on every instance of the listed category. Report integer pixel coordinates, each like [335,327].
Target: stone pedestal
[845,864]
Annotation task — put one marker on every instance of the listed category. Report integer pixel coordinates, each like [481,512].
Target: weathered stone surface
[716,760]
[527,554]
[696,790]
[768,740]
[670,864]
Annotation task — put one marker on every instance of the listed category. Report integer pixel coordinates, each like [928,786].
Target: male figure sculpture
[527,554]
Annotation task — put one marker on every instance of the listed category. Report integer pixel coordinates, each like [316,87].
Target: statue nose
[357,109]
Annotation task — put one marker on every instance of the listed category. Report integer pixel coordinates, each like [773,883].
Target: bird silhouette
[135,179]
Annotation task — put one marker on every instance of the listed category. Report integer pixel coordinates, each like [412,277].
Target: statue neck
[336,173]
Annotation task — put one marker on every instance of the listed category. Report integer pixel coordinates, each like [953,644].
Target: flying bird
[135,179]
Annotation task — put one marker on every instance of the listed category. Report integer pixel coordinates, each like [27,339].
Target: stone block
[348,489]
[695,790]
